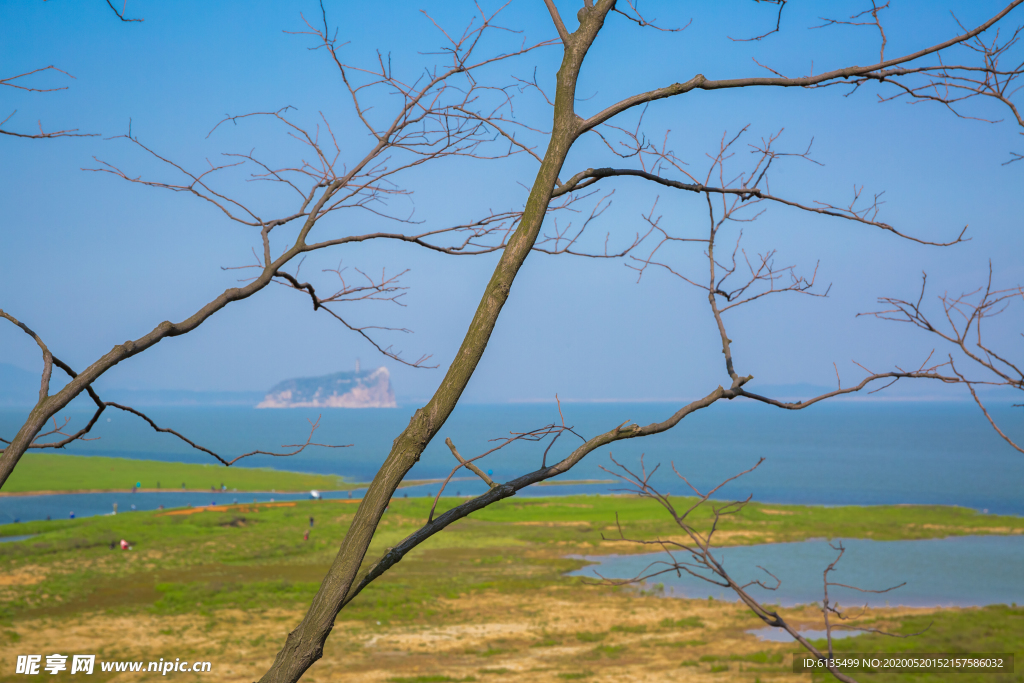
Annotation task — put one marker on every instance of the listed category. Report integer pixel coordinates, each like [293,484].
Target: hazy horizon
[27,387]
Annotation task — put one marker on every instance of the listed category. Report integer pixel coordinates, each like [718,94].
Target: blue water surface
[21,508]
[859,453]
[959,571]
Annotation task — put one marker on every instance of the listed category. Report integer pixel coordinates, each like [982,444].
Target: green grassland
[205,563]
[997,628]
[518,544]
[755,523]
[56,472]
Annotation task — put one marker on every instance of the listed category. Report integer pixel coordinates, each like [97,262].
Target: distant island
[359,389]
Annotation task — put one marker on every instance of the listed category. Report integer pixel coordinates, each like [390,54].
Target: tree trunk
[305,644]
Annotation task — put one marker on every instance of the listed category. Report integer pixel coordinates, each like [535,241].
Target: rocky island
[359,389]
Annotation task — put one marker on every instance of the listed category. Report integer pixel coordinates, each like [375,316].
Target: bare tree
[452,111]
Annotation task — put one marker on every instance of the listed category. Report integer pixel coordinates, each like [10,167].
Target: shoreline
[13,494]
[349,487]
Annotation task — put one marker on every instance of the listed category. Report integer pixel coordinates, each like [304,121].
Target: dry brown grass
[494,637]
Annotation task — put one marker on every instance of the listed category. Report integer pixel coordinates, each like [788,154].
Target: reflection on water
[957,571]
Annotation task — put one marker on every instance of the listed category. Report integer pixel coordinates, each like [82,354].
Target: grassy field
[55,472]
[486,600]
[997,628]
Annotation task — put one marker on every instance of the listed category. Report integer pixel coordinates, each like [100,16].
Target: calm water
[843,453]
[15,509]
[938,572]
[11,539]
[777,635]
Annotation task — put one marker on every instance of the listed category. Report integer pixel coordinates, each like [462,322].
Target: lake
[960,571]
[844,453]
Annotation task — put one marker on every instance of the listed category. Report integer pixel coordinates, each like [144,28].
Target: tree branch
[700,82]
[557,19]
[580,181]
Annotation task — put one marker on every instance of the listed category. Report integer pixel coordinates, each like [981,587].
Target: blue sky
[90,260]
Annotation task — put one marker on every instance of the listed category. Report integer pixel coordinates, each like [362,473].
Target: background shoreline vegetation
[52,472]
